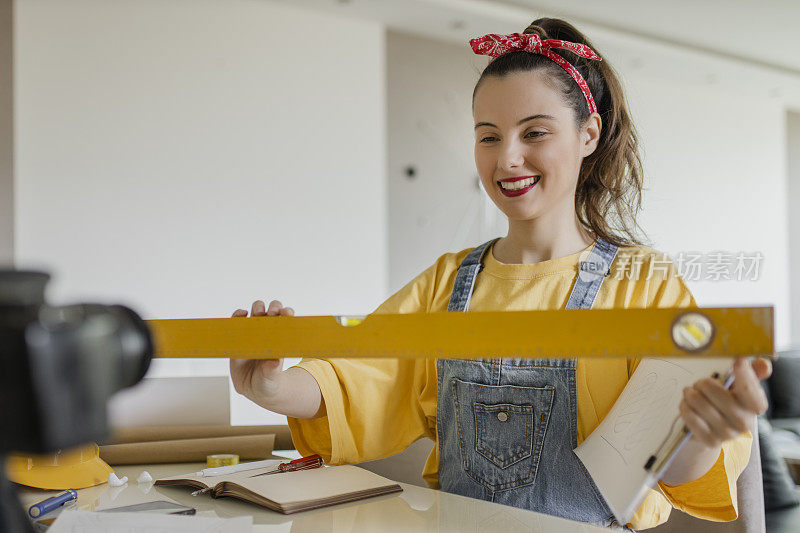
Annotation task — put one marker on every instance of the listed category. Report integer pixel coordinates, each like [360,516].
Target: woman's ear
[590,134]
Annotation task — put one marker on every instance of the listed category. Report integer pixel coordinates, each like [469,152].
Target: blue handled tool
[43,507]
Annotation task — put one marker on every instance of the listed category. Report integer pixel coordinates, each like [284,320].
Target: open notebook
[291,492]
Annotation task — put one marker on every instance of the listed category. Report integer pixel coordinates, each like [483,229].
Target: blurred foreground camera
[59,365]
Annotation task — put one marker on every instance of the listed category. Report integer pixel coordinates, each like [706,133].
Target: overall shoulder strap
[591,274]
[468,271]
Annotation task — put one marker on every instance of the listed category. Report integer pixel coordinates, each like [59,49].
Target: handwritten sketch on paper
[641,419]
[641,408]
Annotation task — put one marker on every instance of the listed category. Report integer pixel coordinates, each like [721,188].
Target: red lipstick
[517,192]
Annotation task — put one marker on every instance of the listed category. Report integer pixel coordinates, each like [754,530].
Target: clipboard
[629,451]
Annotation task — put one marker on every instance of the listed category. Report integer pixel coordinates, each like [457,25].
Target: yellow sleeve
[713,496]
[373,406]
[655,510]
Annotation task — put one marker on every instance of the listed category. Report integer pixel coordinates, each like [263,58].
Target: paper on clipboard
[641,419]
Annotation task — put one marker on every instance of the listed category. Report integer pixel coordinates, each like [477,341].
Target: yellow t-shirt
[377,407]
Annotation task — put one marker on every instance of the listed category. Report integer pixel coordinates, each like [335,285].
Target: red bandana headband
[496,45]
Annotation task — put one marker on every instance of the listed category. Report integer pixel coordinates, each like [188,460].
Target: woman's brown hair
[609,191]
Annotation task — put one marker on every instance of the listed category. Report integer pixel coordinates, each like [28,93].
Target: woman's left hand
[714,414]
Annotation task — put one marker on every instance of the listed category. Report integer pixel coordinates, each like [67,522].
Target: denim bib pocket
[501,430]
[504,432]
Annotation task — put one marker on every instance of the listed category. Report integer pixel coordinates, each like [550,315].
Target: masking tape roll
[222,459]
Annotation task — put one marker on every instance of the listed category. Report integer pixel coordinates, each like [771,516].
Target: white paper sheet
[616,451]
[88,522]
[181,401]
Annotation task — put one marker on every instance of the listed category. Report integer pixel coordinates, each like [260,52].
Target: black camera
[59,365]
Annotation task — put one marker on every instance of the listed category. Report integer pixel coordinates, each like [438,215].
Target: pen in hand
[657,463]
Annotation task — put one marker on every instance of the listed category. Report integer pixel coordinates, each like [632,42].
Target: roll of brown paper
[125,435]
[247,447]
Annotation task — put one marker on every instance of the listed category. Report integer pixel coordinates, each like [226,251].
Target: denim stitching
[540,436]
[597,494]
[534,463]
[454,390]
[439,369]
[537,452]
[503,386]
[573,407]
[485,451]
[556,364]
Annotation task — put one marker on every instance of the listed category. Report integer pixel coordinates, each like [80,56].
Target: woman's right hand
[259,379]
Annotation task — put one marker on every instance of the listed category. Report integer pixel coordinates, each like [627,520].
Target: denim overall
[507,427]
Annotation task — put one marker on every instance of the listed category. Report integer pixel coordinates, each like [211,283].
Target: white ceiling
[764,33]
[749,45]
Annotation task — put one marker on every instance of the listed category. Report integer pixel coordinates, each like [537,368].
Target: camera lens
[136,345]
[114,337]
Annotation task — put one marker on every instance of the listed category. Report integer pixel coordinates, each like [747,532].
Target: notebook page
[315,484]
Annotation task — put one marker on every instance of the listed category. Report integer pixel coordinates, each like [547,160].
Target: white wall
[188,157]
[714,163]
[6,138]
[793,197]
[441,208]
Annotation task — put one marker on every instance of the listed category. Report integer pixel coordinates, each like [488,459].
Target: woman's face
[528,148]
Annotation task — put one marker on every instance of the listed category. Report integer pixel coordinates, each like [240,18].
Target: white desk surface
[415,509]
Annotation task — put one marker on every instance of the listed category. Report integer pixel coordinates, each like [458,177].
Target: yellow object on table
[77,468]
[222,459]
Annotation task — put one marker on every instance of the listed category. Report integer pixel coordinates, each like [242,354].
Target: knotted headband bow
[493,45]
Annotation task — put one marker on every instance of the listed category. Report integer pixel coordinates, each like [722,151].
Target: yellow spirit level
[708,332]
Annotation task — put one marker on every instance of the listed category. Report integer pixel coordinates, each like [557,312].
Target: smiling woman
[557,153]
[529,155]
[592,125]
